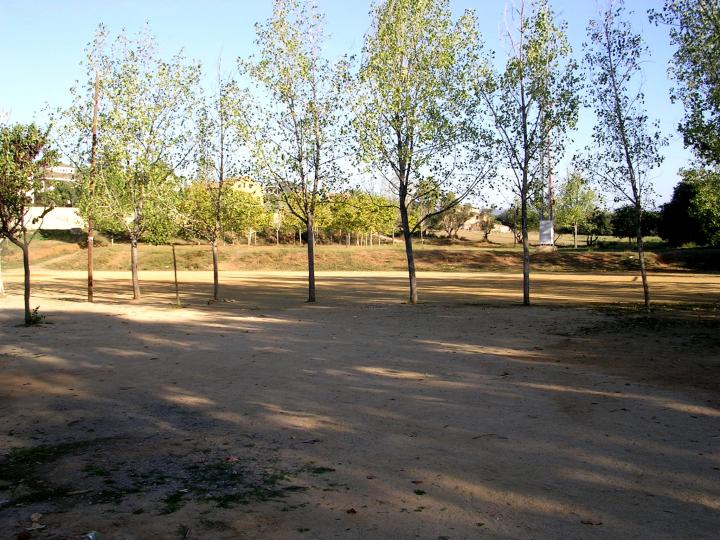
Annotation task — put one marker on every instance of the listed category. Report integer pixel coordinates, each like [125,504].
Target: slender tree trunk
[2,283]
[177,287]
[90,248]
[348,239]
[575,227]
[526,245]
[134,268]
[91,187]
[216,277]
[409,252]
[26,268]
[311,258]
[300,237]
[641,257]
[277,237]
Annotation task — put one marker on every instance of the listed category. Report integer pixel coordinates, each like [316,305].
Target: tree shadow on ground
[375,420]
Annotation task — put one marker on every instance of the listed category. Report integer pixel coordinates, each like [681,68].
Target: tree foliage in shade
[626,144]
[416,116]
[25,154]
[693,213]
[298,139]
[534,105]
[695,31]
[624,225]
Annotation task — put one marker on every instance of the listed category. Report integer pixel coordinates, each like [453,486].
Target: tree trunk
[348,239]
[26,268]
[91,187]
[134,268]
[409,253]
[300,237]
[177,287]
[575,227]
[641,257]
[216,278]
[311,258]
[2,284]
[526,250]
[277,237]
[90,245]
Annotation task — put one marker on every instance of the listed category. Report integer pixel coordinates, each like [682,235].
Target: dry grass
[466,254]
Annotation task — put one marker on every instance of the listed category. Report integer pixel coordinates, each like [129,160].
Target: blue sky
[42,44]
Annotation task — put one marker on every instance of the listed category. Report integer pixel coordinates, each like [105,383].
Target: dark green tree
[693,213]
[598,224]
[677,225]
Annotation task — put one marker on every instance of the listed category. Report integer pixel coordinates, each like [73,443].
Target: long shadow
[387,421]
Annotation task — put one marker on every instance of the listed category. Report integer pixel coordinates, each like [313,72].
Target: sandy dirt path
[272,289]
[467,417]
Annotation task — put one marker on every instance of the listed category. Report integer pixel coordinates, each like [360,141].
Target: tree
[695,31]
[426,200]
[511,217]
[24,155]
[487,222]
[297,139]
[576,203]
[534,105]
[147,107]
[415,116]
[78,133]
[598,224]
[626,145]
[221,130]
[244,213]
[705,207]
[453,219]
[677,224]
[693,213]
[623,222]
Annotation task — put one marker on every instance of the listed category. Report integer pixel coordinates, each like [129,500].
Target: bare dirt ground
[467,416]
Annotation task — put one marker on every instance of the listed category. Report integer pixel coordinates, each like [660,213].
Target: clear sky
[42,44]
